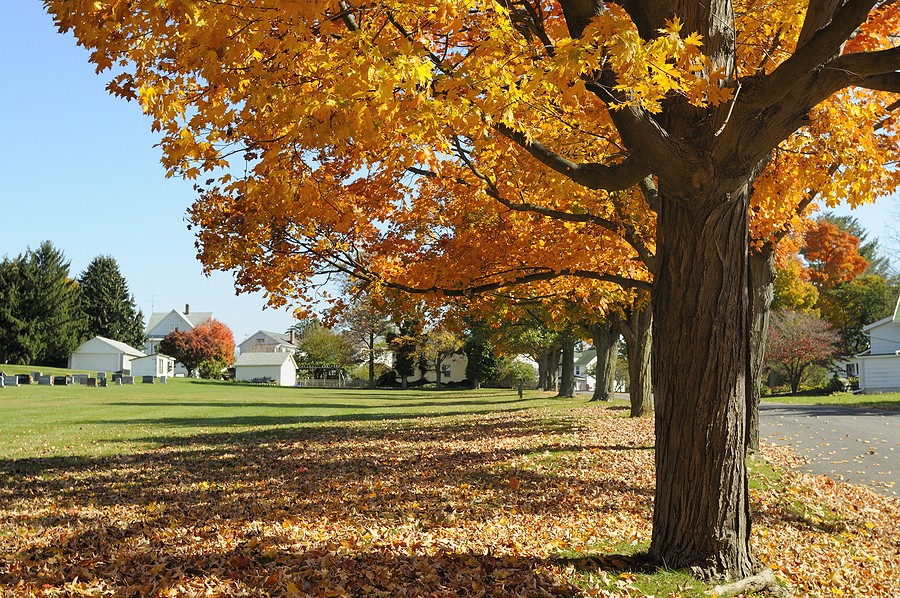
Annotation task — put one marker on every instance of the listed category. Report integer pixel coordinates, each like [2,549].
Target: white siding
[99,362]
[284,375]
[885,338]
[879,373]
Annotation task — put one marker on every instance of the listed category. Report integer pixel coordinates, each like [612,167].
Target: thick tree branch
[818,14]
[822,46]
[519,280]
[885,82]
[868,63]
[617,177]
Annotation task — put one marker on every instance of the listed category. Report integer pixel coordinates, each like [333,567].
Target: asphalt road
[852,445]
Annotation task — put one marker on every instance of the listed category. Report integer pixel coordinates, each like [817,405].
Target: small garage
[103,355]
[279,368]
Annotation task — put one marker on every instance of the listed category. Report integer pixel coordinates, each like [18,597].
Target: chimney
[187,308]
[293,332]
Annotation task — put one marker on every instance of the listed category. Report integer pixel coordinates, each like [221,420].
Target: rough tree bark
[606,342]
[701,312]
[762,288]
[634,324]
[567,378]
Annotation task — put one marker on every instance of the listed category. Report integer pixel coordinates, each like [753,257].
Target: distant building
[101,354]
[879,367]
[269,342]
[162,323]
[279,368]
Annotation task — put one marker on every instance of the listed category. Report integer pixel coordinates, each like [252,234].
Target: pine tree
[40,320]
[108,307]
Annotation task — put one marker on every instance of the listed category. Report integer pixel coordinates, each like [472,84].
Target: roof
[118,346]
[193,318]
[258,359]
[284,339]
[585,357]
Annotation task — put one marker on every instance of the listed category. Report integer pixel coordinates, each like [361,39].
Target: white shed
[279,367]
[103,355]
[153,365]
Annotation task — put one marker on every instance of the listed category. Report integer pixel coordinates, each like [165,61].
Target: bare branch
[591,175]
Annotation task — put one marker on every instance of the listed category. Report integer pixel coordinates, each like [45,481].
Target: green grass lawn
[887,401]
[47,421]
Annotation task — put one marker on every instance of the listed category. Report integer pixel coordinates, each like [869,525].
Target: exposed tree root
[764,581]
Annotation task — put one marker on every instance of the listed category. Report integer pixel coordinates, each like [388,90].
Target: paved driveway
[853,445]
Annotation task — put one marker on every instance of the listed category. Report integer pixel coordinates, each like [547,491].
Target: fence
[333,383]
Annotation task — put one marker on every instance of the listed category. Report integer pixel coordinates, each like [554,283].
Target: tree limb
[823,45]
[868,63]
[617,177]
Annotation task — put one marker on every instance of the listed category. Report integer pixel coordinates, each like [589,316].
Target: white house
[103,355]
[279,367]
[583,361]
[162,323]
[153,365]
[269,342]
[879,367]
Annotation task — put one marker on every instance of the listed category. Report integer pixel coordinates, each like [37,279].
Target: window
[445,371]
[173,327]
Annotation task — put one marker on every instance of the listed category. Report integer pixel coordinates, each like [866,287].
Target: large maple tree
[449,147]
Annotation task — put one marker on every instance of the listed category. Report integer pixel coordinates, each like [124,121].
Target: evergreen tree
[40,319]
[109,309]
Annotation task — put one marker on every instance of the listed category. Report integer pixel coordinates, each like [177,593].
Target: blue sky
[78,167]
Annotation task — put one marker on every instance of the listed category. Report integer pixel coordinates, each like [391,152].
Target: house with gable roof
[264,341]
[879,367]
[162,323]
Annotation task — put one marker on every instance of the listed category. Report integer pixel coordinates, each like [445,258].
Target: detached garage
[103,355]
[256,367]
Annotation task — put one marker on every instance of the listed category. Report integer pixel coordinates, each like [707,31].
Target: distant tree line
[45,313]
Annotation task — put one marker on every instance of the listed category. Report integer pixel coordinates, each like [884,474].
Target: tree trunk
[606,342]
[567,380]
[548,368]
[634,326]
[403,379]
[701,311]
[762,289]
[437,373]
[371,360]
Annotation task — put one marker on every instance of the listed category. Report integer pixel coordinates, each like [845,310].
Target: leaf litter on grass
[480,506]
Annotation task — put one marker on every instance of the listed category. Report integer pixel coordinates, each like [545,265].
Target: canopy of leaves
[210,342]
[798,340]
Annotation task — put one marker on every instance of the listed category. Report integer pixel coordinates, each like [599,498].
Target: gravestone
[127,379]
[24,378]
[80,378]
[162,380]
[92,382]
[103,383]
[36,375]
[69,381]
[118,381]
[117,377]
[11,380]
[45,380]
[101,375]
[59,380]
[149,380]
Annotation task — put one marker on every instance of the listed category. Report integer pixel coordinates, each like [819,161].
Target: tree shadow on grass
[271,568]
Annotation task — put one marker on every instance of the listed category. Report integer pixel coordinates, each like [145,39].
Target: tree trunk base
[764,581]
